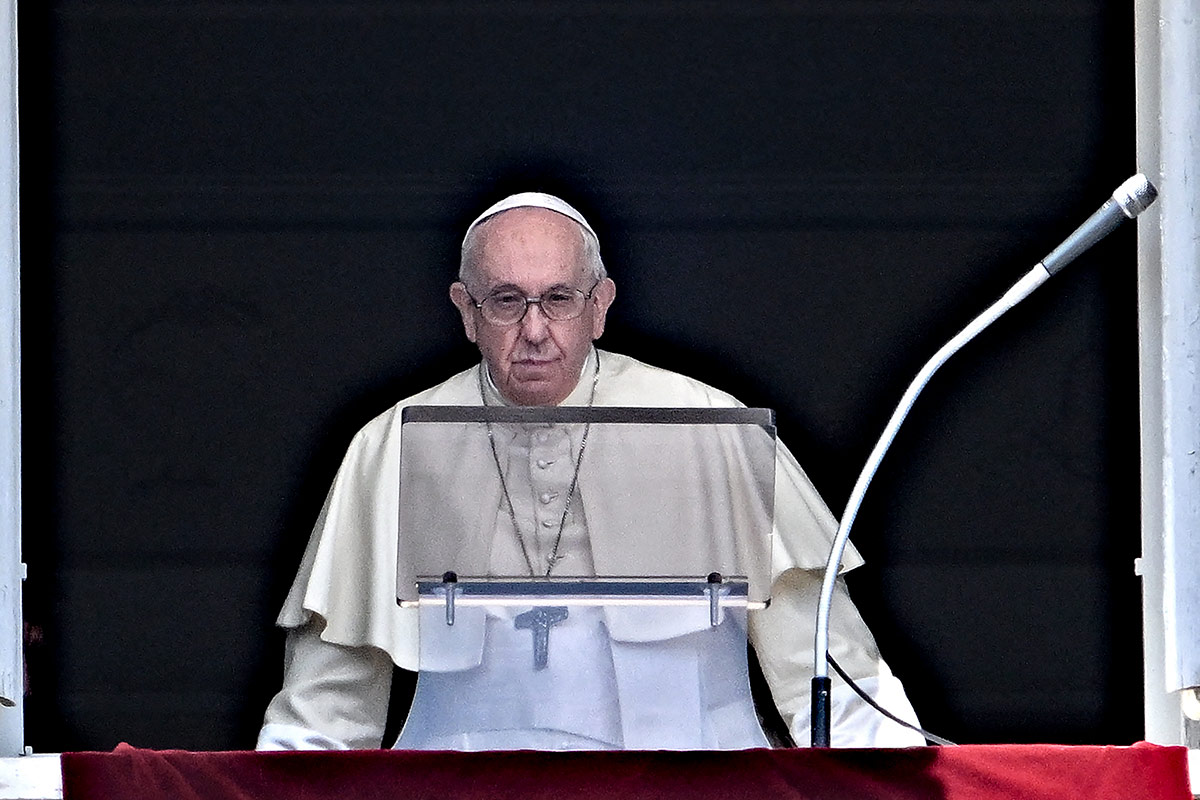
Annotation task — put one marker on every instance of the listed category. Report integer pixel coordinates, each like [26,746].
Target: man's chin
[539,383]
[536,391]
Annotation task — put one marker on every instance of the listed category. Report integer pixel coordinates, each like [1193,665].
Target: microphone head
[1135,195]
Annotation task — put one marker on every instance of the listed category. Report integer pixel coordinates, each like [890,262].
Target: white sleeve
[783,634]
[333,697]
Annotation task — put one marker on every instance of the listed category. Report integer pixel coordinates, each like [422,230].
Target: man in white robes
[533,295]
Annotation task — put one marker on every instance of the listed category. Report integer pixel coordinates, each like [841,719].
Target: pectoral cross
[539,621]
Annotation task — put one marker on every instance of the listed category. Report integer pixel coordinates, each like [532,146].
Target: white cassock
[346,631]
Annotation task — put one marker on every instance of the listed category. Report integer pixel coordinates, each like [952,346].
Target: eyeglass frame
[530,301]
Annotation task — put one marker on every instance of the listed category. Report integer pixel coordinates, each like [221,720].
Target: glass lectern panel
[583,575]
[560,492]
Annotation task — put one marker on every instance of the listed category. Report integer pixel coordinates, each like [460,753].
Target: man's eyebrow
[512,287]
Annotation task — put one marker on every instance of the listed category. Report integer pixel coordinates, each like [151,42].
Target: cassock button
[547,497]
[543,463]
[547,523]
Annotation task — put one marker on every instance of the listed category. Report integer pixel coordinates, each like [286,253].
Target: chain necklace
[553,558]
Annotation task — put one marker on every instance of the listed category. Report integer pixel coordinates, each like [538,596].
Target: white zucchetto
[532,200]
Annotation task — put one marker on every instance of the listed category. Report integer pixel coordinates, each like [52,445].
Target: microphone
[1130,199]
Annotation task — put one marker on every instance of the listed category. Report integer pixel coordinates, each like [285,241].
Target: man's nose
[535,325]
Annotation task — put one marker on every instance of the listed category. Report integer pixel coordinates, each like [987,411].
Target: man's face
[537,361]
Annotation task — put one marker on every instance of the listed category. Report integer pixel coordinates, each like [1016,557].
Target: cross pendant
[539,621]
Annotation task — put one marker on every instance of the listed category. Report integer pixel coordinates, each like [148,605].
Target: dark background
[240,219]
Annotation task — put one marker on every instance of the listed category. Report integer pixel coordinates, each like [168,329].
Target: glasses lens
[563,304]
[504,308]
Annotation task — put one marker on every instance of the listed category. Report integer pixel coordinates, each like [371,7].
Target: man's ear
[602,297]
[466,308]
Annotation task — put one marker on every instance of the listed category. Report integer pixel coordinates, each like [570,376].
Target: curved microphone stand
[1130,199]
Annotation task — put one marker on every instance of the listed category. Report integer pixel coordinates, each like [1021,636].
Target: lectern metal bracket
[450,586]
[715,590]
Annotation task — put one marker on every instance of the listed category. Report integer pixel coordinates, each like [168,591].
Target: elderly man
[533,294]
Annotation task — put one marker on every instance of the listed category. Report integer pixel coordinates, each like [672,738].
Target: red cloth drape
[972,772]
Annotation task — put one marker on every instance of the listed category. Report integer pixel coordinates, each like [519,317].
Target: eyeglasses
[509,306]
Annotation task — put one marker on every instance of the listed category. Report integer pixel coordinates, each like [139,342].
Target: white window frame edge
[12,671]
[1167,55]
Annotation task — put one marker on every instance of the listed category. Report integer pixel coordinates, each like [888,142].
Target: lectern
[582,576]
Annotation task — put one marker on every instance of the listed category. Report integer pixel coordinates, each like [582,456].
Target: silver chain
[552,559]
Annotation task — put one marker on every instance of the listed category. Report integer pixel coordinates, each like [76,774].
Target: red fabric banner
[970,772]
